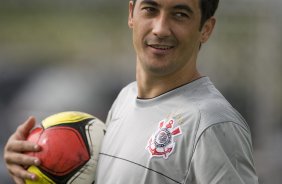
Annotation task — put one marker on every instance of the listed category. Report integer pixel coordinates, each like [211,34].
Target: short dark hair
[208,9]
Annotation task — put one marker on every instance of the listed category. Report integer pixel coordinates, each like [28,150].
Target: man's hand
[15,159]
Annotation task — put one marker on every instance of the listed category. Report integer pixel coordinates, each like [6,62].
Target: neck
[151,85]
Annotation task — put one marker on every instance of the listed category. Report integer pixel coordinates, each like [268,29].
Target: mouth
[160,46]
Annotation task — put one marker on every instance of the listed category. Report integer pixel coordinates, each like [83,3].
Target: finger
[22,146]
[24,129]
[20,173]
[18,180]
[21,159]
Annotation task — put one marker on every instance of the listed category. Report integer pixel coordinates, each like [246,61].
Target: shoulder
[124,97]
[211,107]
[129,90]
[216,111]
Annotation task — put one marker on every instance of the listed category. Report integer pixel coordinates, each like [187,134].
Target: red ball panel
[62,149]
[34,136]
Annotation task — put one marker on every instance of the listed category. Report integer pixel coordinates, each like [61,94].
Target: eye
[181,15]
[150,10]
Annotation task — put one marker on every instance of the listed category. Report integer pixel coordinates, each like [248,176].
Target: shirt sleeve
[223,155]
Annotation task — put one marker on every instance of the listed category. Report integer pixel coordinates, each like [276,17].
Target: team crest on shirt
[161,143]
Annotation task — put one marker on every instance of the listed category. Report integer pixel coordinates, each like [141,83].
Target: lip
[160,49]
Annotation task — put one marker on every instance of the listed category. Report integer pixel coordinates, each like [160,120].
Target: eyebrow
[150,2]
[183,7]
[177,7]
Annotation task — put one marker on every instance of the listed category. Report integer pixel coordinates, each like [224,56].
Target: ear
[130,15]
[207,29]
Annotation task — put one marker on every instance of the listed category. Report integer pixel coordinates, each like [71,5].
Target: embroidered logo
[161,143]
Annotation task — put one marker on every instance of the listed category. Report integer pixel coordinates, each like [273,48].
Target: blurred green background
[60,55]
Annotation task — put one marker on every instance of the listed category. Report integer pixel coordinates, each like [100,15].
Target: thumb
[24,129]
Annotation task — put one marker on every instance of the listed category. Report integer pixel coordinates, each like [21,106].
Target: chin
[159,70]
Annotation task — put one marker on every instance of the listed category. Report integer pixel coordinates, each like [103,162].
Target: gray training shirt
[190,135]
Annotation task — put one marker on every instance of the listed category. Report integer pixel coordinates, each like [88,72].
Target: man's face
[166,34]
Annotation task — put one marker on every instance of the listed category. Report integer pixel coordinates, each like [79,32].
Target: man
[172,125]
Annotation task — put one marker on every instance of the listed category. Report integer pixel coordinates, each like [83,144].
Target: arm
[223,154]
[15,159]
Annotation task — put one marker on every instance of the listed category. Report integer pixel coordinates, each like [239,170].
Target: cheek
[137,41]
[139,33]
[191,40]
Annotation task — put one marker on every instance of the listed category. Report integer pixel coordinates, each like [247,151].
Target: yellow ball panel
[65,118]
[42,179]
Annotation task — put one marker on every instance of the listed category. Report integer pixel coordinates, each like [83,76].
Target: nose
[161,27]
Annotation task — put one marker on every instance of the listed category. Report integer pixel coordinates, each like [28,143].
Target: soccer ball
[70,144]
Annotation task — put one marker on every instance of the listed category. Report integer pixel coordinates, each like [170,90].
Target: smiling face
[166,35]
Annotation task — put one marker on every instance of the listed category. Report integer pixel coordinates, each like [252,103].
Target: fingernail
[36,147]
[32,176]
[37,162]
